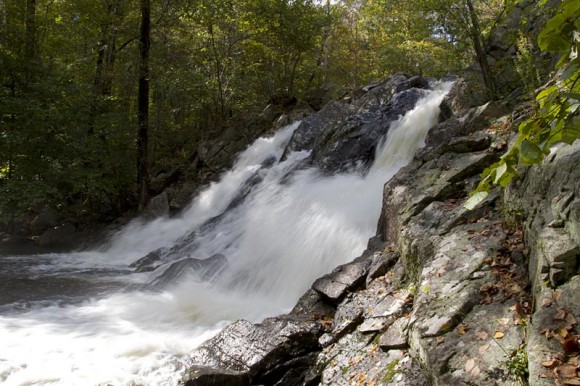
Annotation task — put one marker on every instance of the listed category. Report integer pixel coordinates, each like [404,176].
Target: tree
[143,105]
[470,21]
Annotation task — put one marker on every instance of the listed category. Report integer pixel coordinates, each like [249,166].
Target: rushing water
[75,325]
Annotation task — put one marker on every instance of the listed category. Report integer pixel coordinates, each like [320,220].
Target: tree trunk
[143,106]
[29,41]
[30,34]
[480,52]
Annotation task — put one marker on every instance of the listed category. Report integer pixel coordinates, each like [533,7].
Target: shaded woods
[89,89]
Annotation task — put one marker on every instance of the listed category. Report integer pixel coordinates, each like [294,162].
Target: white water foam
[285,235]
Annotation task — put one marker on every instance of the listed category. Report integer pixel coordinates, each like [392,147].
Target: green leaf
[474,200]
[500,171]
[571,132]
[528,127]
[530,153]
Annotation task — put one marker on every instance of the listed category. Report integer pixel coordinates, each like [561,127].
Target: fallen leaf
[570,319]
[475,372]
[440,339]
[469,365]
[567,371]
[481,335]
[440,272]
[556,295]
[462,329]
[560,314]
[504,321]
[551,363]
[498,335]
[546,302]
[562,332]
[484,348]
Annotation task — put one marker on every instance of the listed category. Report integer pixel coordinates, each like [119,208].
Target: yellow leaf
[462,329]
[498,335]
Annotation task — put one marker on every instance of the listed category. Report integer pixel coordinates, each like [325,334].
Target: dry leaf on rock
[551,363]
[560,314]
[498,335]
[462,329]
[504,321]
[484,348]
[567,371]
[469,365]
[481,335]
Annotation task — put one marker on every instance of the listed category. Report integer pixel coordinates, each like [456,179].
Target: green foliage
[526,63]
[517,365]
[555,117]
[390,372]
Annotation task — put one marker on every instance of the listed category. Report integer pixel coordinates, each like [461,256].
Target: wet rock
[344,136]
[312,305]
[148,262]
[353,144]
[190,268]
[204,376]
[335,285]
[265,350]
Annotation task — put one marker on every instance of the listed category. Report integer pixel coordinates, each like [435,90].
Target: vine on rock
[556,117]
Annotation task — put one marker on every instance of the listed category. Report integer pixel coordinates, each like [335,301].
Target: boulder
[335,285]
[64,236]
[190,269]
[266,352]
[47,218]
[344,136]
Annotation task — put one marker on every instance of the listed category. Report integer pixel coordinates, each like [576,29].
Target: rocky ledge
[442,295]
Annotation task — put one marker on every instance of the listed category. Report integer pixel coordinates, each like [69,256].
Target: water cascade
[292,226]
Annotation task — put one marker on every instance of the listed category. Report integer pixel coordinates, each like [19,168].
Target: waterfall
[293,226]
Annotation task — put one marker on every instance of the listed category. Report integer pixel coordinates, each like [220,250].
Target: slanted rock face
[547,200]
